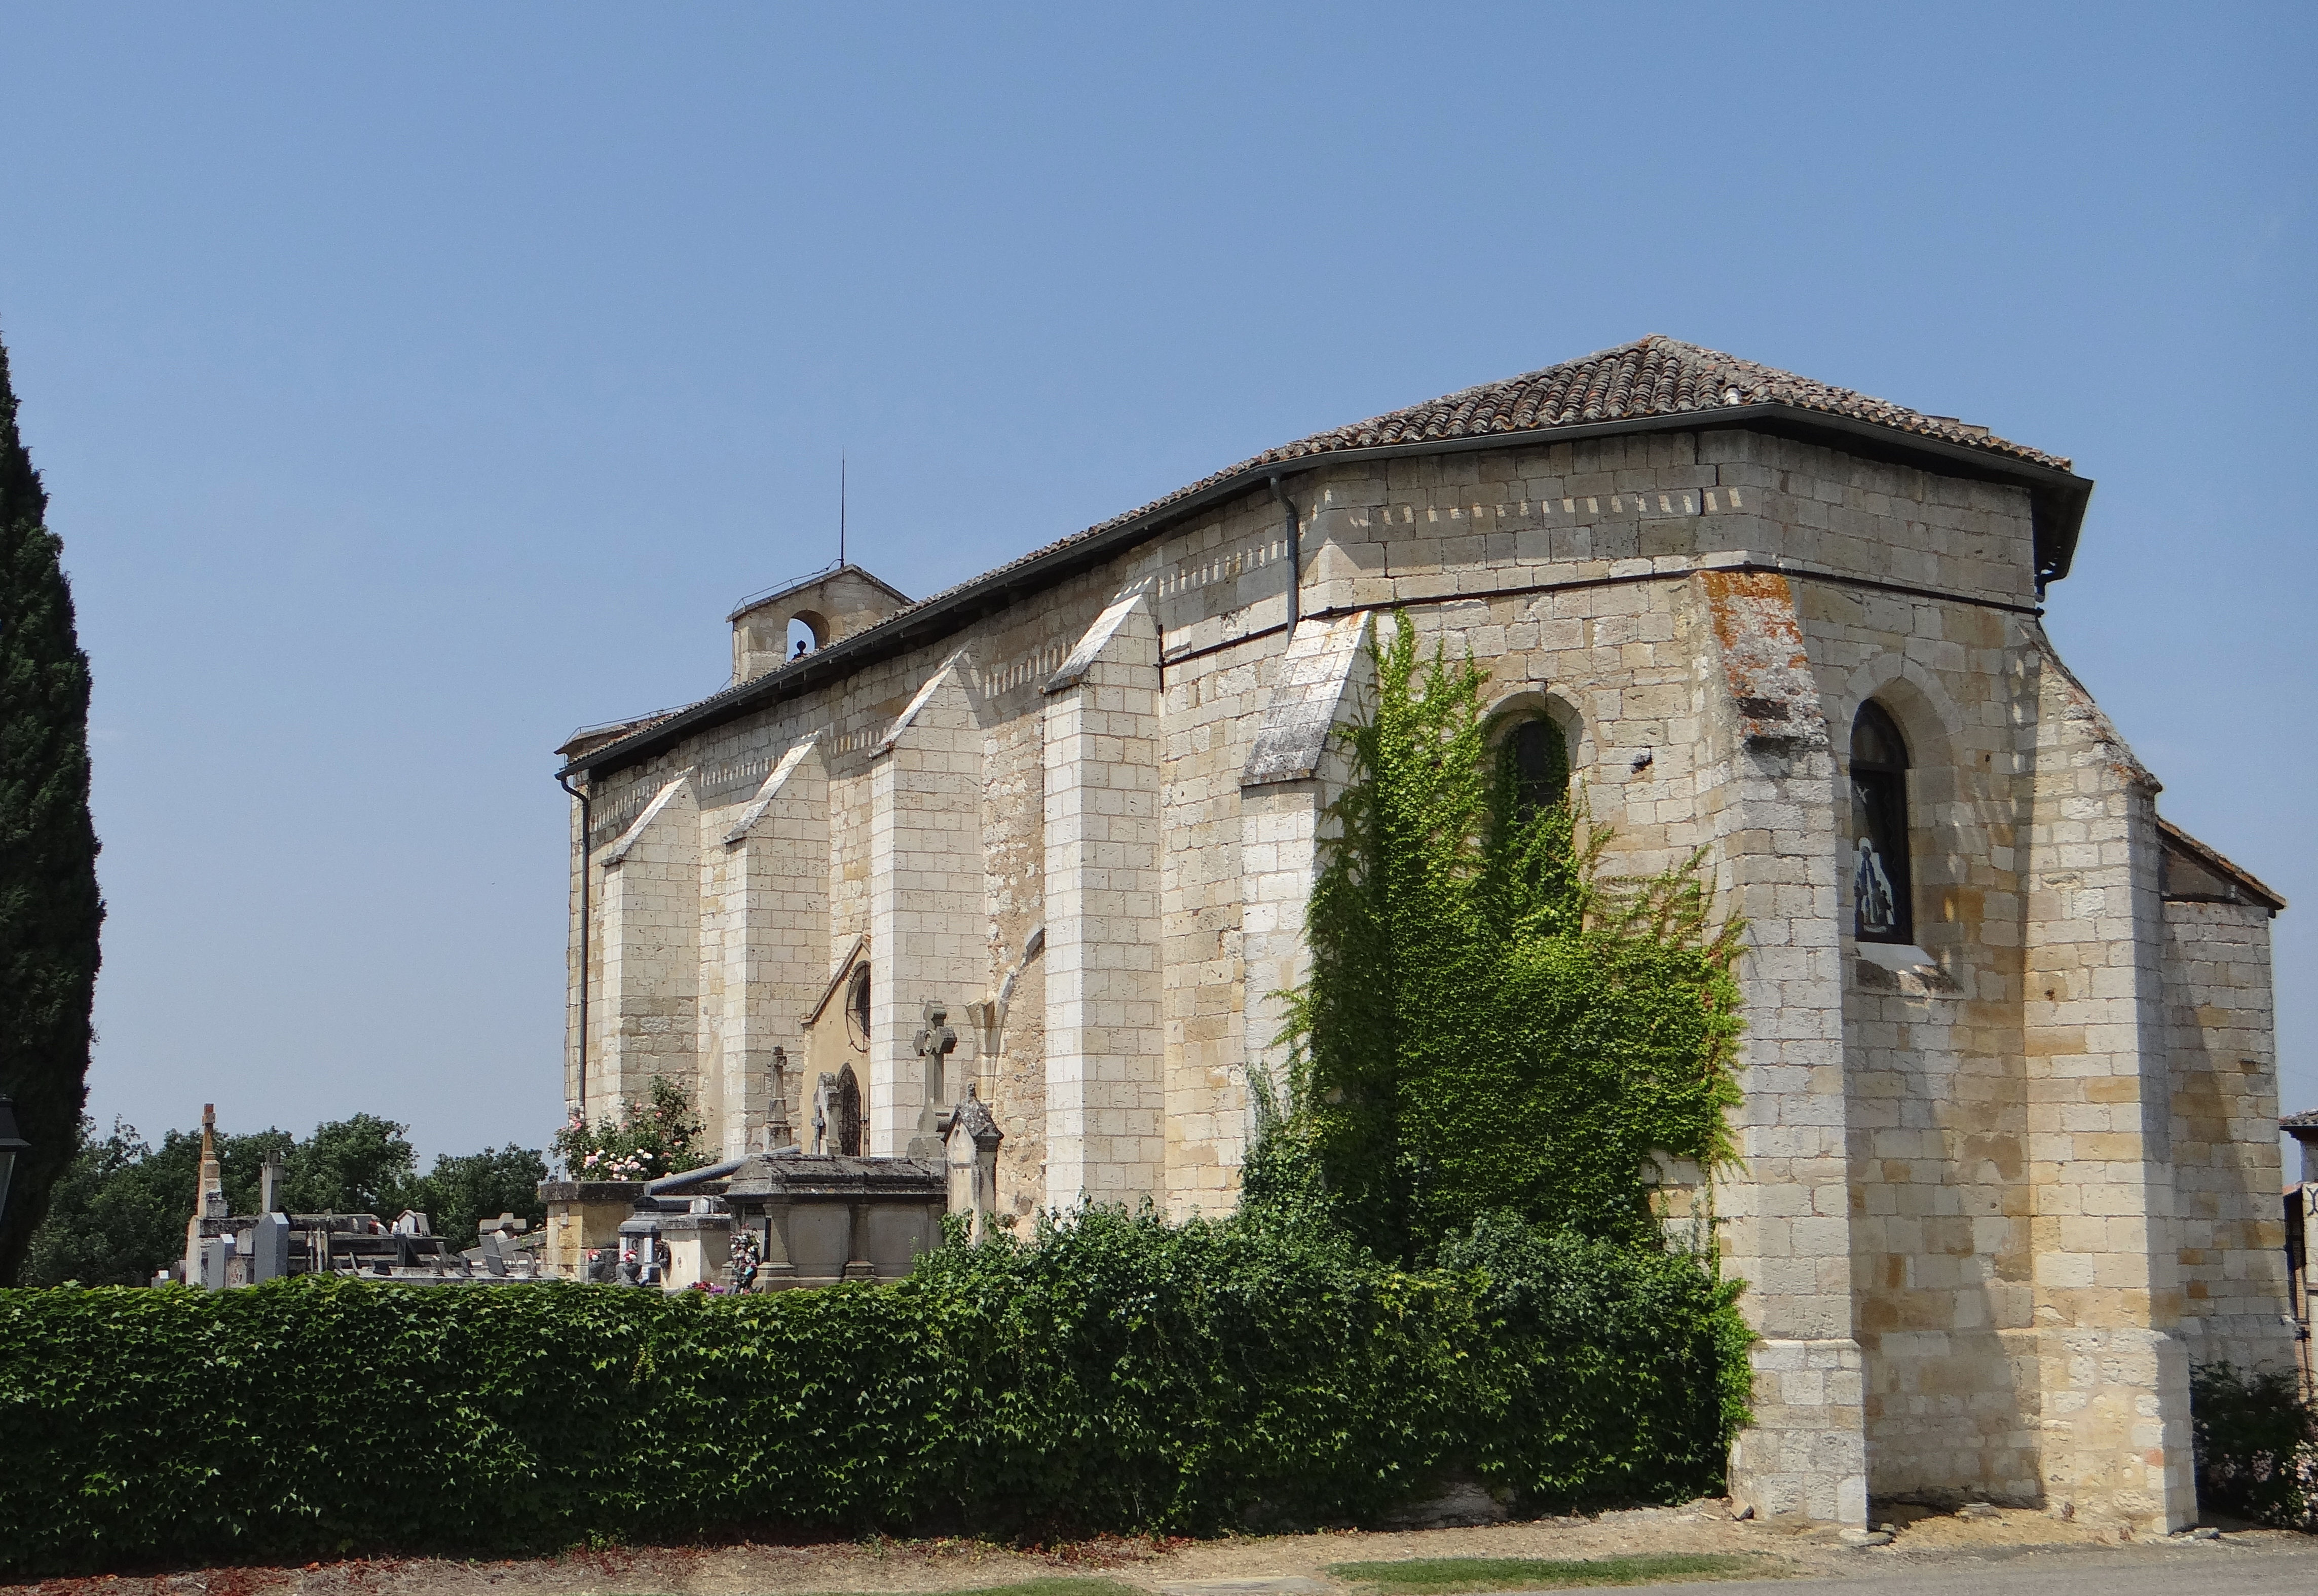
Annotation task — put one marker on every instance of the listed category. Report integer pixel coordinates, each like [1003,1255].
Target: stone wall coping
[806,1177]
[590,1191]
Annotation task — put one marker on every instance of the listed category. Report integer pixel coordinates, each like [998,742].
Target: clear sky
[416,384]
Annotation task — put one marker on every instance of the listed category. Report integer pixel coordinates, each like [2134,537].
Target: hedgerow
[1109,1373]
[1444,1265]
[2256,1443]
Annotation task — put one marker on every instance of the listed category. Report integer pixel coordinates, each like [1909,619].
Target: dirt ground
[1234,1566]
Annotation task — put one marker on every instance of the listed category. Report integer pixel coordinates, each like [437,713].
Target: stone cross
[937,1039]
[777,1134]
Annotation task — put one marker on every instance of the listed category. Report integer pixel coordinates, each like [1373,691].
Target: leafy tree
[120,1214]
[1490,1026]
[359,1165]
[109,1222]
[50,909]
[461,1192]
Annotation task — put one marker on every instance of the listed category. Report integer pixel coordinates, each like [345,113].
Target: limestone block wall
[925,907]
[774,935]
[1010,1050]
[1202,896]
[1105,1096]
[1940,1246]
[650,1001]
[1991,1199]
[2221,1039]
[1766,797]
[2107,1290]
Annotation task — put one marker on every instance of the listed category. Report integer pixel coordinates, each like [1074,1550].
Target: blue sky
[416,384]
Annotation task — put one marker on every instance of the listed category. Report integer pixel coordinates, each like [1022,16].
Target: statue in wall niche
[837,1115]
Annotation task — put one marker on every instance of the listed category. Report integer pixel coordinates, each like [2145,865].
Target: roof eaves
[937,617]
[774,596]
[2256,888]
[927,621]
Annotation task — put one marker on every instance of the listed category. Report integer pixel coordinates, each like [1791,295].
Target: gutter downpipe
[1295,556]
[586,920]
[667,1183]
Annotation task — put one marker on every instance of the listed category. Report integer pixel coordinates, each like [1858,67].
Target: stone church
[1044,841]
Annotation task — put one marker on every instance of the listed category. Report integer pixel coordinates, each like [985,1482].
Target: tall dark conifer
[49,911]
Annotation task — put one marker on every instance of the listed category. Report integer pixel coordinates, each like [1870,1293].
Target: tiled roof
[588,738]
[1654,380]
[2305,1121]
[2253,886]
[1652,376]
[1656,376]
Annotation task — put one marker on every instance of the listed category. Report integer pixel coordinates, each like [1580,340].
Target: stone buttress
[1105,1092]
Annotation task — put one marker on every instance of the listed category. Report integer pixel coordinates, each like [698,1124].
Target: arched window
[857,1008]
[1881,903]
[846,1134]
[808,633]
[1540,759]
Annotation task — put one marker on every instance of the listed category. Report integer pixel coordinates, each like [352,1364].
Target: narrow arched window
[1882,904]
[1541,765]
[857,1010]
[848,1130]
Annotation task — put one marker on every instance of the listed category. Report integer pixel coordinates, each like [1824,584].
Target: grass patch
[1439,1576]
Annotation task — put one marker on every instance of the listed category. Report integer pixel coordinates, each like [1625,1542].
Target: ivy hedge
[1111,1373]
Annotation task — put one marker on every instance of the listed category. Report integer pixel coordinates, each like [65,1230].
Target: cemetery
[224,1249]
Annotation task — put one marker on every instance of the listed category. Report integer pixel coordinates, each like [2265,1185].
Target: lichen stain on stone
[1764,662]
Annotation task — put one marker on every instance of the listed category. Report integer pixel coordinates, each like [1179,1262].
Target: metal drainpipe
[1294,556]
[667,1183]
[586,919]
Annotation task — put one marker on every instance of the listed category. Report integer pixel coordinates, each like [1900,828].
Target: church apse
[2005,1076]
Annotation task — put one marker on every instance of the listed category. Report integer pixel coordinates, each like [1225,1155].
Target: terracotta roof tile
[1652,376]
[1649,376]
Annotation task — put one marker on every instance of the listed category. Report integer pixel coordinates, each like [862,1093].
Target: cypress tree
[49,911]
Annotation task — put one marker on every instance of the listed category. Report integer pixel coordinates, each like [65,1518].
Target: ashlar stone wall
[2221,1039]
[1997,1188]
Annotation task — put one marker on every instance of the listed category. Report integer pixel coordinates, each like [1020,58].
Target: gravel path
[2021,1552]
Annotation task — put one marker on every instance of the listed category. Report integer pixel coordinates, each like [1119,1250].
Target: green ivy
[1111,1372]
[1491,1026]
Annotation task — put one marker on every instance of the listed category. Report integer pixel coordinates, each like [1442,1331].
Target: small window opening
[1541,767]
[801,640]
[1882,900]
[857,1010]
